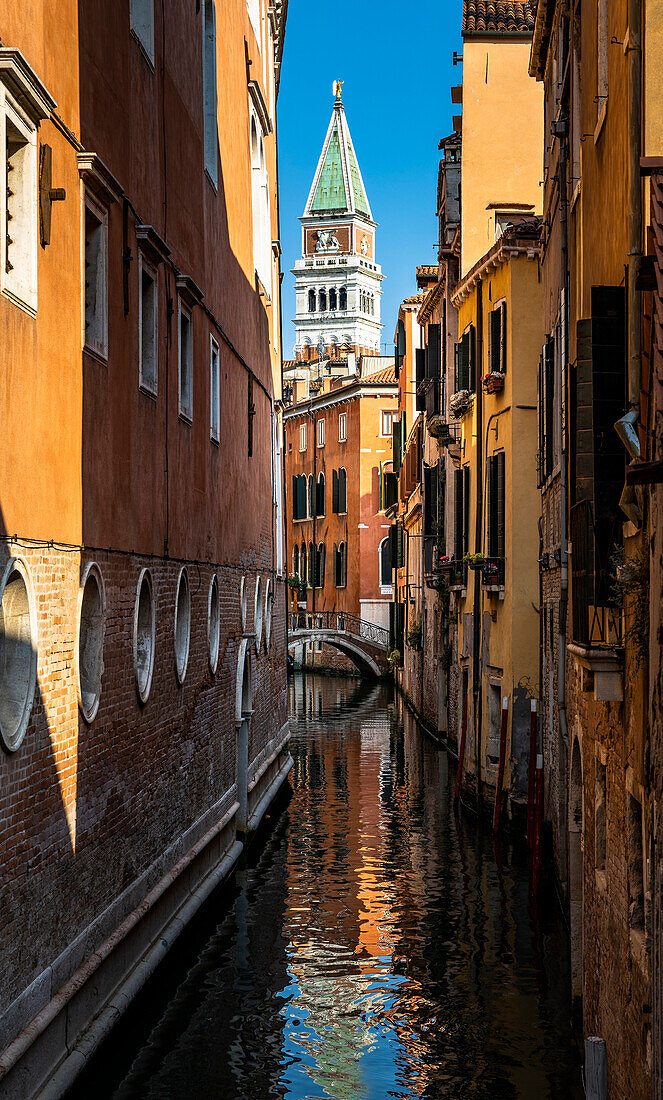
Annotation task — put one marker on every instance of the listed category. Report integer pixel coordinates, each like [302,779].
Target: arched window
[311,496]
[385,563]
[342,491]
[322,301]
[320,495]
[332,298]
[372,304]
[311,301]
[302,566]
[342,298]
[340,564]
[295,561]
[311,565]
[320,566]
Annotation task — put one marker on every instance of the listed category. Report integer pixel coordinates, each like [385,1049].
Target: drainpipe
[478,539]
[626,427]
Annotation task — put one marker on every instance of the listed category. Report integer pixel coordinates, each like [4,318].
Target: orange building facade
[143,714]
[338,475]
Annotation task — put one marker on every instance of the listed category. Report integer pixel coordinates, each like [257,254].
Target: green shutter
[499,509]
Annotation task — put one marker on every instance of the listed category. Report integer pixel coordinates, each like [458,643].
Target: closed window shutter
[311,565]
[335,491]
[434,349]
[420,365]
[396,445]
[336,565]
[320,497]
[466,509]
[472,357]
[295,497]
[541,414]
[401,546]
[458,514]
[495,339]
[503,338]
[323,555]
[490,508]
[549,372]
[500,471]
[393,542]
[456,368]
[342,491]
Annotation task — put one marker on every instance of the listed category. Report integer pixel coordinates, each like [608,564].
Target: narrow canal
[373,947]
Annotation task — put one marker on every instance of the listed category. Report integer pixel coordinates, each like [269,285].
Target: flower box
[493,382]
[460,403]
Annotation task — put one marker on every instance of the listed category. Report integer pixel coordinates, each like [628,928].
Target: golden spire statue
[338,85]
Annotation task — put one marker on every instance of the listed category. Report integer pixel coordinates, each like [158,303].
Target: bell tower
[337,280]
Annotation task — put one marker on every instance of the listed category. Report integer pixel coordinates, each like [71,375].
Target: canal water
[374,946]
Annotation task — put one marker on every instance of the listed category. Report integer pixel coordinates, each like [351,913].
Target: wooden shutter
[430,499]
[472,359]
[393,543]
[503,337]
[495,339]
[295,497]
[320,496]
[335,491]
[434,349]
[456,368]
[500,471]
[396,445]
[549,421]
[323,556]
[490,507]
[401,547]
[458,514]
[420,365]
[466,509]
[342,491]
[390,489]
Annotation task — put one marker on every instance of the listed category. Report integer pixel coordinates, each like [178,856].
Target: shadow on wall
[37,776]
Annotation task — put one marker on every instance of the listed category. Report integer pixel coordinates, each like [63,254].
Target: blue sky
[396,64]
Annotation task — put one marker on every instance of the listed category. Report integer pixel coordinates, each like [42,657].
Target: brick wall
[86,810]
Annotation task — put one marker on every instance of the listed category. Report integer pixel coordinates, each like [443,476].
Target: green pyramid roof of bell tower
[330,194]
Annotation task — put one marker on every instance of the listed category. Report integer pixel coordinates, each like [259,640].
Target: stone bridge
[364,643]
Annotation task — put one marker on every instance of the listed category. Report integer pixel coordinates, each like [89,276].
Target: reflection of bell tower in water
[337,281]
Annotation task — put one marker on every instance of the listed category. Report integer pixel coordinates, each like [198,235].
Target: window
[257,614]
[295,561]
[311,565]
[461,512]
[343,298]
[299,497]
[262,244]
[320,555]
[213,624]
[311,496]
[322,297]
[494,722]
[385,563]
[243,602]
[19,186]
[320,495]
[495,505]
[90,642]
[332,299]
[18,653]
[302,437]
[498,338]
[210,138]
[144,629]
[339,492]
[96,278]
[303,575]
[182,625]
[142,24]
[269,602]
[214,394]
[466,361]
[185,364]
[321,433]
[342,427]
[340,565]
[387,418]
[148,312]
[311,301]
[636,869]
[547,404]
[253,7]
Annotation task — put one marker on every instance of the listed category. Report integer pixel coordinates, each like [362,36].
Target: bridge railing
[341,622]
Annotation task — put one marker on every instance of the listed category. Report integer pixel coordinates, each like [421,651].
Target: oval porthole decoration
[182,624]
[18,652]
[91,626]
[213,624]
[257,614]
[144,635]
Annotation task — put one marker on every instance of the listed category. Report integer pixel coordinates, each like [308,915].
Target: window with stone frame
[96,278]
[185,363]
[19,209]
[148,326]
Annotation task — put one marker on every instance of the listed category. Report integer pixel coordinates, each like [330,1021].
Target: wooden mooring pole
[500,770]
[531,775]
[596,1069]
[461,751]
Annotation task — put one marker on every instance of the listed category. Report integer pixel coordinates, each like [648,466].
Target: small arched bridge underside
[364,643]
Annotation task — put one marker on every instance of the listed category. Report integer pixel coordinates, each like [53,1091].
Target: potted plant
[493,382]
[475,561]
[414,636]
[294,581]
[460,403]
[394,658]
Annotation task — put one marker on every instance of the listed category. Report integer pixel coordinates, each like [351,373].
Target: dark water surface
[374,947]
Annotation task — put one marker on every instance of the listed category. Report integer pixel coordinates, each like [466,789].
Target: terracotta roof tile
[386,376]
[497,17]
